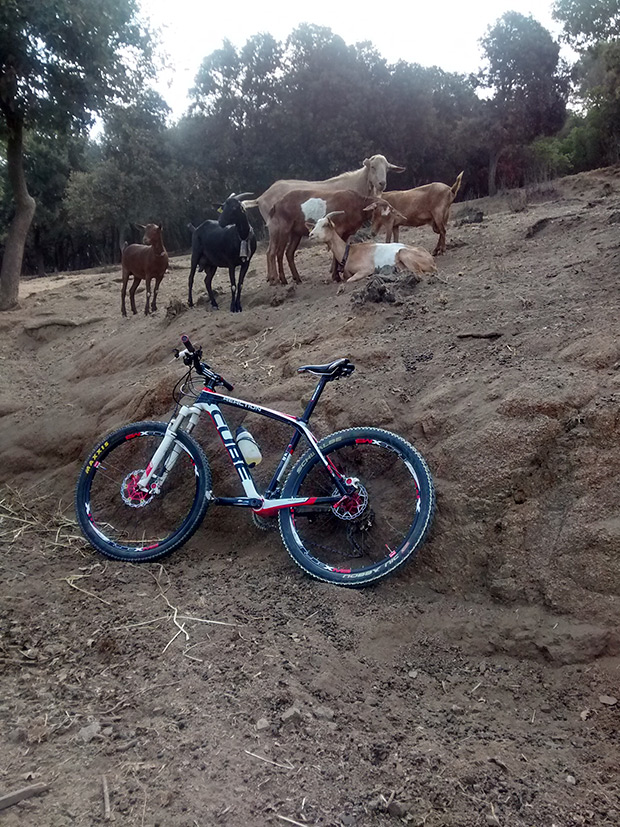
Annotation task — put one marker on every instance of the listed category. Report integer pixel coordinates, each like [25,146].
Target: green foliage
[63,59]
[588,21]
[524,72]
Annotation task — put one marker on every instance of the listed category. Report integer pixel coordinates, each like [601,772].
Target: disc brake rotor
[132,495]
[351,507]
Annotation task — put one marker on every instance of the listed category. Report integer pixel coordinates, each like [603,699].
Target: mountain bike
[354,508]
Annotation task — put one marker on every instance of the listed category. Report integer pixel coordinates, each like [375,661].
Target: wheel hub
[132,495]
[353,506]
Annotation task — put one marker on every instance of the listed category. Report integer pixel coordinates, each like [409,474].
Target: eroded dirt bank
[477,687]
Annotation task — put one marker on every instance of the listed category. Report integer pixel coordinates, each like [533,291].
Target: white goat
[356,261]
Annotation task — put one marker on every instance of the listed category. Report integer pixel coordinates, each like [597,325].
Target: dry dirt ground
[480,686]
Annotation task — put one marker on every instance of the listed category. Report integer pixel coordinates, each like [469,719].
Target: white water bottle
[248,447]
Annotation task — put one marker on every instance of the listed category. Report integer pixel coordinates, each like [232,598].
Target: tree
[588,21]
[60,61]
[529,82]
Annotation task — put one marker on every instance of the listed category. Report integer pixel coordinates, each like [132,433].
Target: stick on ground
[19,795]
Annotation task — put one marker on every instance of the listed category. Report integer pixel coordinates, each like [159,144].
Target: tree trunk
[493,161]
[24,213]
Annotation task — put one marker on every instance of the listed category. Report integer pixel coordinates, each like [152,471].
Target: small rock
[291,716]
[413,673]
[324,712]
[608,700]
[570,779]
[262,723]
[398,809]
[492,819]
[87,733]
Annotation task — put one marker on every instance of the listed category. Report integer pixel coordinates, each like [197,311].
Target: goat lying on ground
[369,180]
[429,204]
[228,242]
[147,261]
[359,260]
[287,223]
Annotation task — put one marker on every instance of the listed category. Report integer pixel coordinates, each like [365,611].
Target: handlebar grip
[227,385]
[189,346]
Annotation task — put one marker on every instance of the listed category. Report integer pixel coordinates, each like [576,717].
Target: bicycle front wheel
[369,535]
[126,523]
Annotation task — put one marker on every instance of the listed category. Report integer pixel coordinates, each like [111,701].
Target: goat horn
[242,196]
[335,212]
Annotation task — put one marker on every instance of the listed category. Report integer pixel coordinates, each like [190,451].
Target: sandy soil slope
[479,686]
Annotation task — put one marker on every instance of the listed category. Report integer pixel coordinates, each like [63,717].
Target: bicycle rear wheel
[371,534]
[124,522]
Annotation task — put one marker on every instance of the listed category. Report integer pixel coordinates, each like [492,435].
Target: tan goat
[147,261]
[356,261]
[429,204]
[370,179]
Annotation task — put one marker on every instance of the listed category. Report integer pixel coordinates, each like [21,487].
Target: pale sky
[444,34]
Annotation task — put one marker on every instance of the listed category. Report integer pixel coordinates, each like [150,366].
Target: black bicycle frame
[267,503]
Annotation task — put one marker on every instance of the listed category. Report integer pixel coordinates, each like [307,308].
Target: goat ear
[366,162]
[394,168]
[309,226]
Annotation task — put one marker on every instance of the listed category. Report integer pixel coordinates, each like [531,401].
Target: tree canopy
[588,21]
[60,61]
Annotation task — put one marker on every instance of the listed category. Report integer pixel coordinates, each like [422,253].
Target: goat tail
[455,187]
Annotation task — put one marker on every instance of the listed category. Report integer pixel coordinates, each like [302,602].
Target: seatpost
[314,399]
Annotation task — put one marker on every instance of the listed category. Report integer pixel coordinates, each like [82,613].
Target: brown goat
[429,204]
[147,261]
[287,222]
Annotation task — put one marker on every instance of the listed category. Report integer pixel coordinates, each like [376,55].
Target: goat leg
[147,281]
[132,294]
[210,272]
[291,249]
[233,290]
[242,272]
[124,293]
[334,270]
[154,301]
[192,272]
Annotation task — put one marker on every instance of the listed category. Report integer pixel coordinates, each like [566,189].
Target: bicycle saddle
[333,370]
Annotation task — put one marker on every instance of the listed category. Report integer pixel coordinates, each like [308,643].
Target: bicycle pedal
[265,523]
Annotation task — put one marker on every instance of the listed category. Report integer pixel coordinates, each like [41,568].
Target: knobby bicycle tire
[366,538]
[111,510]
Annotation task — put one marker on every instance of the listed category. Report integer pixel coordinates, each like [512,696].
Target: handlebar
[191,356]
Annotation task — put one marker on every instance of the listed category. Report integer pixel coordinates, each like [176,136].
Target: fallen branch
[290,820]
[19,795]
[492,335]
[106,799]
[73,577]
[269,761]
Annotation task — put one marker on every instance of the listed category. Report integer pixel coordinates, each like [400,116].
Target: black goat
[228,242]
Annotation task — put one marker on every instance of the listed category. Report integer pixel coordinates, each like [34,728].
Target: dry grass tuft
[23,514]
